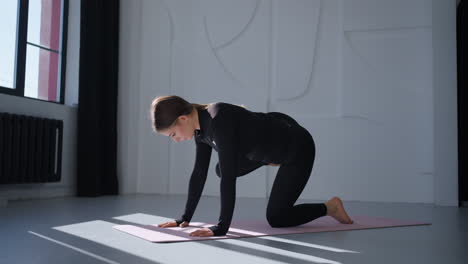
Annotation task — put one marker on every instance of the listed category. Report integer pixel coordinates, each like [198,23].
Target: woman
[245,140]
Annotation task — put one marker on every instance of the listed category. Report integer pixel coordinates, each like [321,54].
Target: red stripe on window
[49,61]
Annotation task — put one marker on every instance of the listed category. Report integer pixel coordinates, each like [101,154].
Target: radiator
[30,149]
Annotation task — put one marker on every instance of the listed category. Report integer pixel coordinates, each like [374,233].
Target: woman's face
[181,131]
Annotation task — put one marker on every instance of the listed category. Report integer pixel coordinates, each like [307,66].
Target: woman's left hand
[203,232]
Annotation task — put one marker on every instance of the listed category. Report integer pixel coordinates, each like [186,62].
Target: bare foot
[336,210]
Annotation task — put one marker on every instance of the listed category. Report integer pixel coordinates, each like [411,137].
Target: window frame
[20,58]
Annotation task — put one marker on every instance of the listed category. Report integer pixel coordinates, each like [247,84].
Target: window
[33,48]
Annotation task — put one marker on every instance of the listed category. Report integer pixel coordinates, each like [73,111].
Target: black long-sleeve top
[235,133]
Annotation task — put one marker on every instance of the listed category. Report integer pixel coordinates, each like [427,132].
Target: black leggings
[289,184]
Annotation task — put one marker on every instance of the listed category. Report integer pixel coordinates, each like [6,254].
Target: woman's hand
[174,224]
[203,232]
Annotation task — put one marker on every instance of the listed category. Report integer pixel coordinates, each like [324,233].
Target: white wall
[363,76]
[67,113]
[128,101]
[445,102]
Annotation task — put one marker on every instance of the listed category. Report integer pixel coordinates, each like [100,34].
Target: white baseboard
[33,191]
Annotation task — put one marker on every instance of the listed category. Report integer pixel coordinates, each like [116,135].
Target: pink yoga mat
[254,228]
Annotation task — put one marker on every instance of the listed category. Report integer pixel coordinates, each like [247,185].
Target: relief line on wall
[214,50]
[314,59]
[171,89]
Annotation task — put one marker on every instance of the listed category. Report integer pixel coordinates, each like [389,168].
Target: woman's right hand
[173,224]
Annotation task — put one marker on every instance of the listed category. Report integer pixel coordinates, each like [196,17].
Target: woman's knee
[275,218]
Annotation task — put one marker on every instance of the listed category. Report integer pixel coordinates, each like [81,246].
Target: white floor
[79,230]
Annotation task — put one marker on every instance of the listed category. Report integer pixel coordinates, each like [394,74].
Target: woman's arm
[226,138]
[197,180]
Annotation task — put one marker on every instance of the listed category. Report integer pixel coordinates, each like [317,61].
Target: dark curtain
[97,100]
[462,73]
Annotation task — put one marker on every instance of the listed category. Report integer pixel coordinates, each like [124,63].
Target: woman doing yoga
[245,140]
